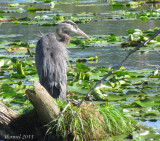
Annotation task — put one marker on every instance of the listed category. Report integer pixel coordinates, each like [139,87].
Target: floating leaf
[31,9]
[82,67]
[13,4]
[81,60]
[144,18]
[150,114]
[19,69]
[77,88]
[133,3]
[98,94]
[92,58]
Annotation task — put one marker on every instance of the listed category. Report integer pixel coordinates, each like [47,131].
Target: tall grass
[115,121]
[90,122]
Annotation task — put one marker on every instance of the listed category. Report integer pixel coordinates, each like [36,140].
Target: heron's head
[66,26]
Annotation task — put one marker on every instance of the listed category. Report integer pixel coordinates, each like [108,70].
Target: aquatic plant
[90,122]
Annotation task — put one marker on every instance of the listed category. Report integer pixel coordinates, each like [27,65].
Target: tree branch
[30,53]
[120,64]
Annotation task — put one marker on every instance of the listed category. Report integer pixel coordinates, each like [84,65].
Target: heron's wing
[51,64]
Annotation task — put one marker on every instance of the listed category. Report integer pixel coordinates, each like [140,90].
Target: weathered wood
[43,103]
[6,114]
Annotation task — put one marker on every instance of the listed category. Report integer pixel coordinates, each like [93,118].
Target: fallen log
[7,116]
[29,126]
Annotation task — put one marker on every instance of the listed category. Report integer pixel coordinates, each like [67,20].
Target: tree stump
[43,103]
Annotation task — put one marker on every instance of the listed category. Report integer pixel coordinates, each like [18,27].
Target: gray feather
[51,56]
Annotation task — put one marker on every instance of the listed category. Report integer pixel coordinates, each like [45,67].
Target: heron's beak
[83,34]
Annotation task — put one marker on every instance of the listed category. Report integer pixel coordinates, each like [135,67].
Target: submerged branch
[120,64]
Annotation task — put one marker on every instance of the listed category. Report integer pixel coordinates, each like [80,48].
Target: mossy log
[43,103]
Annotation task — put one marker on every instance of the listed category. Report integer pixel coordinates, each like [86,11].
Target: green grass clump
[90,122]
[115,121]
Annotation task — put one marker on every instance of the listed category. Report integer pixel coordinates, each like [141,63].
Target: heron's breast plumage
[51,64]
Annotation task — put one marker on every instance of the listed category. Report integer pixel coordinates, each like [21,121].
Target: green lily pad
[144,18]
[82,67]
[31,9]
[79,89]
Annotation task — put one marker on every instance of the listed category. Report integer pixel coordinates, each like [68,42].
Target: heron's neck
[65,38]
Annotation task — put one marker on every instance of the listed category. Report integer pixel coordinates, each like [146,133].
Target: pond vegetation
[101,122]
[133,92]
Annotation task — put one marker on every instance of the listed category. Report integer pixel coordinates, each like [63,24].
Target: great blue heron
[51,56]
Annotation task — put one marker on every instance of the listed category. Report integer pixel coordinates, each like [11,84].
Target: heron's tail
[57,90]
